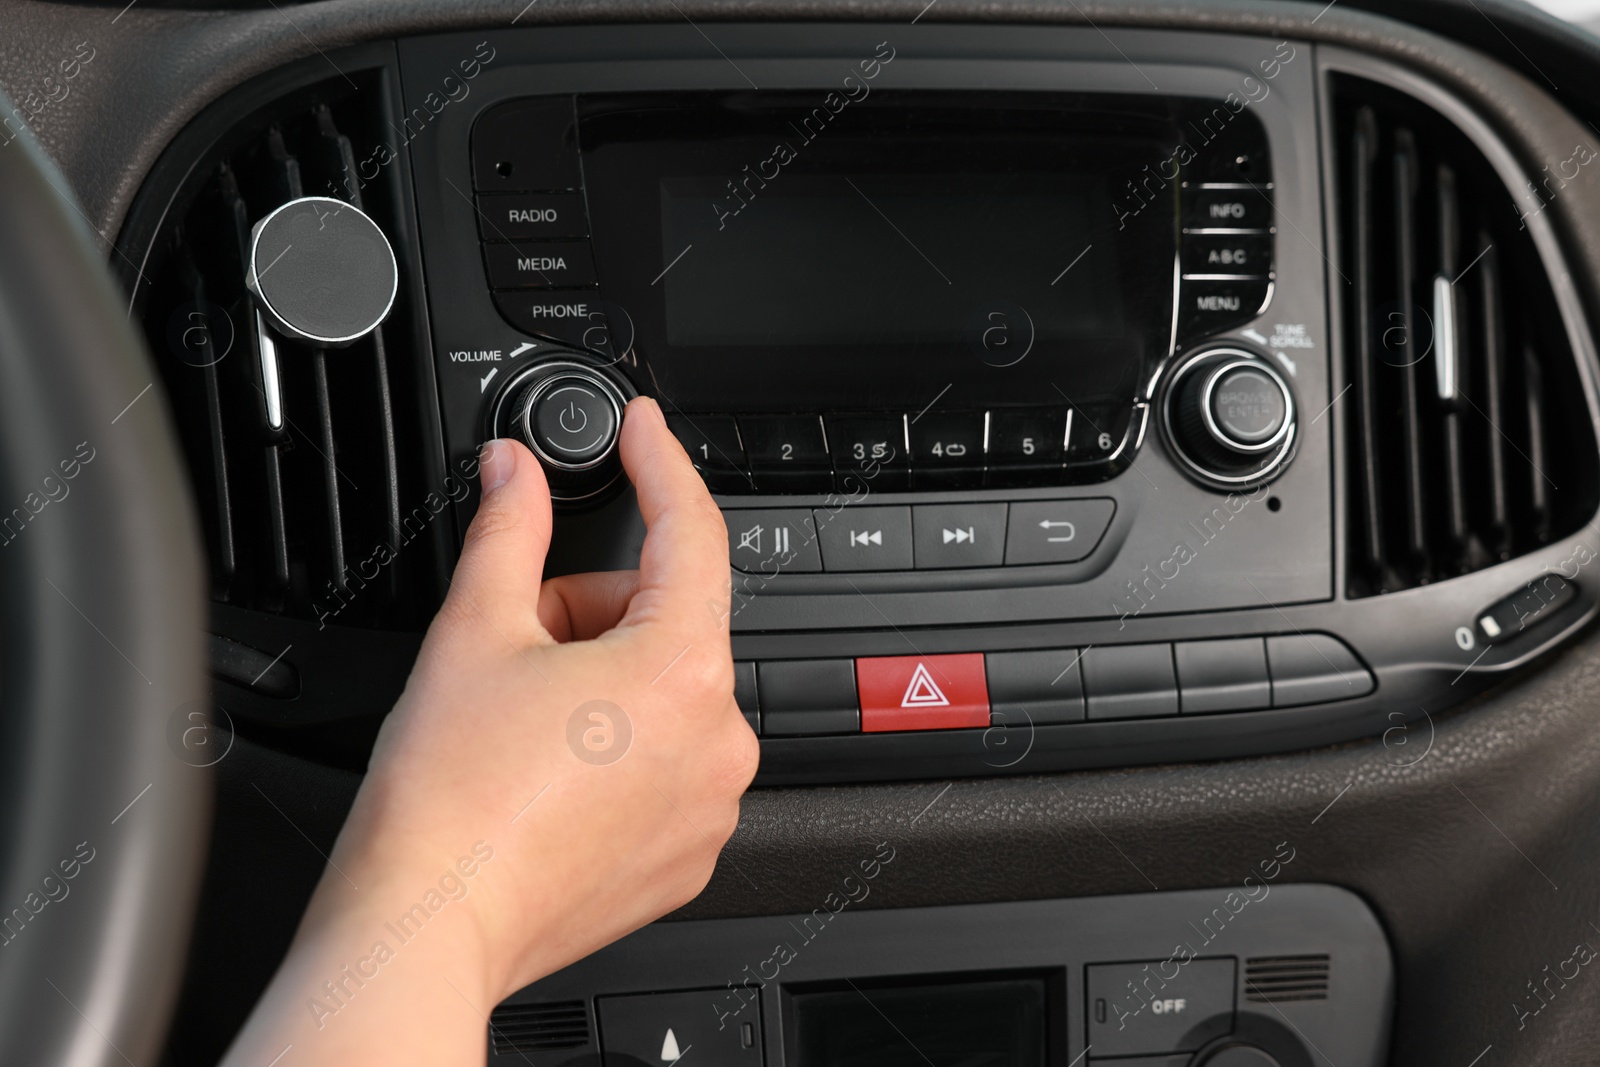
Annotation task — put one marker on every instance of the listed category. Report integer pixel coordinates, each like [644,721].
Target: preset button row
[915,536]
[881,694]
[895,451]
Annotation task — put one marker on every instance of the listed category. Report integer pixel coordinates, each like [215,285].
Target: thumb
[502,557]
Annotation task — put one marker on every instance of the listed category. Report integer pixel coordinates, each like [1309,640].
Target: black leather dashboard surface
[1473,835]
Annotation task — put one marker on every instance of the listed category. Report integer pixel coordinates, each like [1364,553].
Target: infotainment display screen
[773,254]
[830,260]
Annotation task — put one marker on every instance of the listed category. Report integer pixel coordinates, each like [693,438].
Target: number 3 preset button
[1056,531]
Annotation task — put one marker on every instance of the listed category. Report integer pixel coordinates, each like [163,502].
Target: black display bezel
[630,142]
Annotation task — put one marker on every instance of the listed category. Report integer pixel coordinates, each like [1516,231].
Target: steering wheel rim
[102,652]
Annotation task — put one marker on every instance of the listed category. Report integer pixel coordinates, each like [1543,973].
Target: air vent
[1280,979]
[1468,437]
[523,1028]
[320,512]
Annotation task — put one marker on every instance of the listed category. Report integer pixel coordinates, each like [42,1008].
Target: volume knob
[568,414]
[1229,417]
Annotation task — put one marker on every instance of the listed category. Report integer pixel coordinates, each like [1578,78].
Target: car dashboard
[1159,459]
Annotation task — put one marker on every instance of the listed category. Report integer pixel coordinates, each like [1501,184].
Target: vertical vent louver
[1280,979]
[523,1029]
[317,516]
[1467,434]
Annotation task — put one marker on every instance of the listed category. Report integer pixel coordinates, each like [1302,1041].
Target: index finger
[683,567]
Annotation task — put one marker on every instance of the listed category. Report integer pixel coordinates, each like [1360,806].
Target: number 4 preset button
[1056,531]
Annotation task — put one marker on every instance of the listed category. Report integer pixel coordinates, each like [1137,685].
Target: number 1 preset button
[1056,531]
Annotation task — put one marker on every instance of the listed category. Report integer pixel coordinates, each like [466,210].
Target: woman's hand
[564,766]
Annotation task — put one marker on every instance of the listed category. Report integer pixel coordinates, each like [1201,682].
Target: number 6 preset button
[1056,531]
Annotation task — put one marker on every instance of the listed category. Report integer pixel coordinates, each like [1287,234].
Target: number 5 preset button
[1056,531]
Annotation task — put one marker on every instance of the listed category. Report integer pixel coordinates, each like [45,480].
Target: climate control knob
[1229,418]
[568,414]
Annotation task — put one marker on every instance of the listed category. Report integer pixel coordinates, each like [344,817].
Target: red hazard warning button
[922,692]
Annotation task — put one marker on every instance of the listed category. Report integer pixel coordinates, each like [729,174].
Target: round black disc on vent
[322,271]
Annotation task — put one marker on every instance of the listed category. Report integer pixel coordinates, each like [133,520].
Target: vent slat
[1405,193]
[519,1029]
[224,563]
[1494,384]
[271,462]
[1281,979]
[328,448]
[1364,154]
[1538,461]
[1449,341]
[1456,433]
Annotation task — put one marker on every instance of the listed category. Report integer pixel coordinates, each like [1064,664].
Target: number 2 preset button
[779,442]
[1056,531]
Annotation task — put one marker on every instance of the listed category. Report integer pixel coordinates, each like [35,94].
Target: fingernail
[648,404]
[496,464]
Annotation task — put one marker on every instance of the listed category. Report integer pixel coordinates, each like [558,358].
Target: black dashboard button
[865,538]
[1209,305]
[1026,447]
[802,697]
[772,540]
[1137,1009]
[869,452]
[526,144]
[1228,675]
[1056,531]
[1035,687]
[959,535]
[1227,253]
[787,453]
[784,440]
[540,216]
[556,265]
[947,450]
[1537,602]
[572,421]
[1225,209]
[744,693]
[1096,432]
[1129,681]
[652,1028]
[1247,407]
[574,317]
[1314,669]
[712,441]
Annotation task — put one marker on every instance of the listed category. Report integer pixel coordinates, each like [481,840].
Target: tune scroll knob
[1229,417]
[568,414]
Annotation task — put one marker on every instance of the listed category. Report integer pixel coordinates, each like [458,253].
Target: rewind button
[865,538]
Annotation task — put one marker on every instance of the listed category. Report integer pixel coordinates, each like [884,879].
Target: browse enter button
[1056,531]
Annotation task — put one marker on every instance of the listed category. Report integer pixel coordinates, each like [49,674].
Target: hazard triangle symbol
[923,692]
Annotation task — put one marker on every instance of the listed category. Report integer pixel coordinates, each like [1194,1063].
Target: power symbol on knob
[573,419]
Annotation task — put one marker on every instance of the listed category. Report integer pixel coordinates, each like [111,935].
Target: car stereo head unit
[1069,403]
[1017,259]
